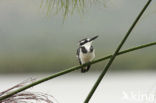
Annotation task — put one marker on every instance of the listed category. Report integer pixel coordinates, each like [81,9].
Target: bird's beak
[93,38]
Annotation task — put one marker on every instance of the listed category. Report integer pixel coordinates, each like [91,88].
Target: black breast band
[83,49]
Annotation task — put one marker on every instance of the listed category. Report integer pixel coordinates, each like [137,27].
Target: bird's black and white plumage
[86,52]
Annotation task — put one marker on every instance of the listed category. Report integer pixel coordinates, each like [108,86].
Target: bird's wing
[78,53]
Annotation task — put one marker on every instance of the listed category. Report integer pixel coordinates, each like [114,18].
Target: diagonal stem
[72,69]
[115,54]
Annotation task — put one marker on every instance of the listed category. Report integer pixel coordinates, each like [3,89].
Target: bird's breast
[86,57]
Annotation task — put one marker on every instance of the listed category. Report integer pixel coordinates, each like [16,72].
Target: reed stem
[73,69]
[115,54]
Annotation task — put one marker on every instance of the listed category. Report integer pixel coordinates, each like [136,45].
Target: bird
[85,52]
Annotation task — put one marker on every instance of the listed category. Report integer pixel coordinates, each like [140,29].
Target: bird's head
[87,41]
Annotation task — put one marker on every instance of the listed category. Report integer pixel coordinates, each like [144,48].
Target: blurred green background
[43,35]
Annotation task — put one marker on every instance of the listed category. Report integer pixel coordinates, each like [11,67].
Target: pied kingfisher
[85,52]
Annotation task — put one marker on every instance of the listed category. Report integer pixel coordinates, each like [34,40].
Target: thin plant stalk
[115,54]
[73,69]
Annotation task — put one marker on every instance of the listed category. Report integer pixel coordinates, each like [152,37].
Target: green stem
[72,69]
[115,54]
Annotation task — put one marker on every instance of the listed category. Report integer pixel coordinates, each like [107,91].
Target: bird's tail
[85,69]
